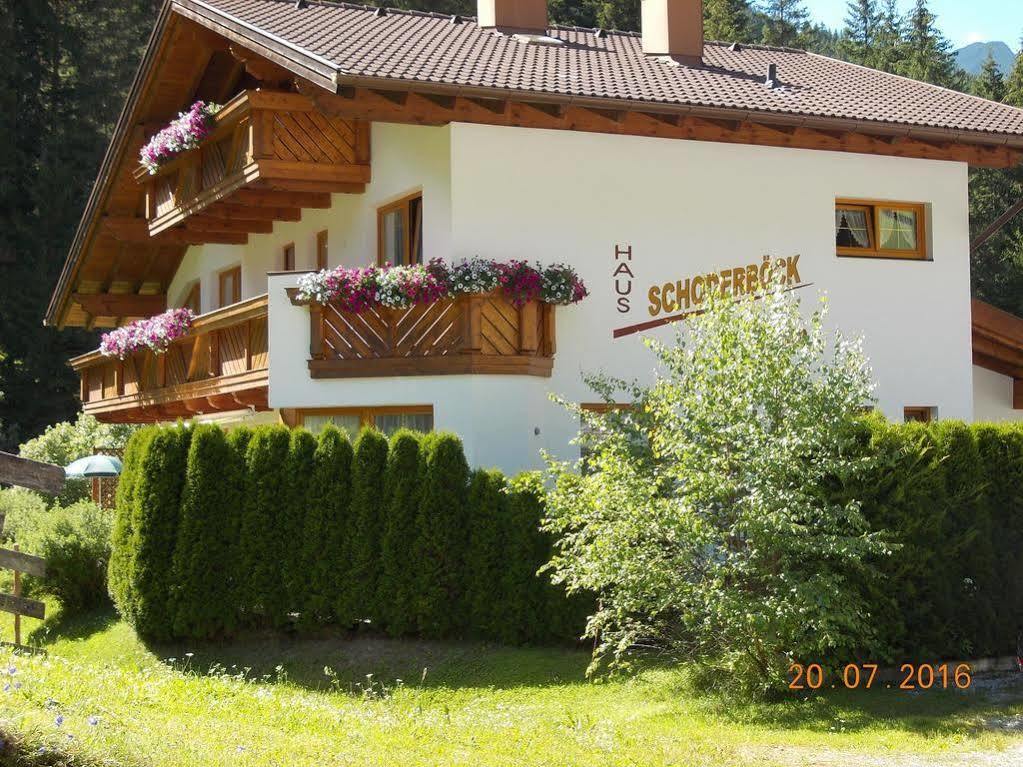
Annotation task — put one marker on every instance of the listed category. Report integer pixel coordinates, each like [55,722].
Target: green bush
[291,517]
[119,573]
[358,600]
[323,540]
[441,537]
[486,553]
[201,599]
[523,593]
[156,510]
[261,593]
[65,442]
[401,496]
[75,542]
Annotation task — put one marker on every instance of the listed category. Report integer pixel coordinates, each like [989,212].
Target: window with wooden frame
[919,414]
[193,299]
[321,250]
[230,286]
[871,229]
[387,420]
[400,232]
[288,257]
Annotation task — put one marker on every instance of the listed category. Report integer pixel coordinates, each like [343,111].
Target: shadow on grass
[359,663]
[72,627]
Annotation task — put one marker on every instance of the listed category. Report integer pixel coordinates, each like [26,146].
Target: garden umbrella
[94,466]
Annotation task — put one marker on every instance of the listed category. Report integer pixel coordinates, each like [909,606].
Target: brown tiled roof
[431,50]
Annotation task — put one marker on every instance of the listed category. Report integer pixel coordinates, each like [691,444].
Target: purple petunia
[157,333]
[184,133]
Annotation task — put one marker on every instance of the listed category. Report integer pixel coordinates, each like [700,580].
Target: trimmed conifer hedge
[277,528]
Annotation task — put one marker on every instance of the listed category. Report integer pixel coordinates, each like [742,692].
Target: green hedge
[951,497]
[277,528]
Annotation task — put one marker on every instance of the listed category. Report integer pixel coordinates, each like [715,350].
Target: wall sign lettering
[623,278]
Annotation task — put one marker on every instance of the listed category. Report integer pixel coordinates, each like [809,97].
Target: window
[231,286]
[321,250]
[388,420]
[920,414]
[193,299]
[400,232]
[288,257]
[880,229]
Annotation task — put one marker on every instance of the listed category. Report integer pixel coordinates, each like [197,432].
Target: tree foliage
[704,526]
[397,584]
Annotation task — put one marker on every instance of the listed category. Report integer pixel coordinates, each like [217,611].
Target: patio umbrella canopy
[94,466]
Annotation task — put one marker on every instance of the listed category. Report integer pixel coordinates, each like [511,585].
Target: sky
[962,21]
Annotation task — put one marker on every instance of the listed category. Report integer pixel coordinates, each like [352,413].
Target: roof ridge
[371,7]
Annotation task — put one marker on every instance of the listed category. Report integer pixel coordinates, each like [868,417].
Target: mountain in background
[972,57]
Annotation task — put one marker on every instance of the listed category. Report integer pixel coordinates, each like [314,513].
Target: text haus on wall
[658,165]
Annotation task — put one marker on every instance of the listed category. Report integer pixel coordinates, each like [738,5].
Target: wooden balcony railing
[264,140]
[220,366]
[478,334]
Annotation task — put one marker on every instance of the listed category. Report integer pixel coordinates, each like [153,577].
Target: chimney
[674,28]
[525,16]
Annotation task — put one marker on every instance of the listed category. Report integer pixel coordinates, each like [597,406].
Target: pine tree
[441,537]
[929,55]
[1014,84]
[157,505]
[726,20]
[862,26]
[990,83]
[291,518]
[201,600]
[401,493]
[784,22]
[119,575]
[358,601]
[889,45]
[485,554]
[323,541]
[261,595]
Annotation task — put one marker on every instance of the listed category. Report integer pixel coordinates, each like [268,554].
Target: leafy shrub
[401,496]
[75,542]
[522,594]
[441,537]
[261,593]
[323,540]
[706,525]
[156,510]
[65,442]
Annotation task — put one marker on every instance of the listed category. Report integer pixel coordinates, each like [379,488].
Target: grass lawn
[268,701]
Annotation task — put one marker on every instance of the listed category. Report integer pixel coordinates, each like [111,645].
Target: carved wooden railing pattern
[220,365]
[273,139]
[483,334]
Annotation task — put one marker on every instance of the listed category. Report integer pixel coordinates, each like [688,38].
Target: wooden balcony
[222,365]
[472,334]
[269,155]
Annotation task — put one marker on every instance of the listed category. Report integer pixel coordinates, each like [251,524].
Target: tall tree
[784,21]
[1014,83]
[889,44]
[67,64]
[990,83]
[726,20]
[862,25]
[929,55]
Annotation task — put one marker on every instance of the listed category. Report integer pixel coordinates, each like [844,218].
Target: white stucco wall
[405,159]
[992,397]
[685,208]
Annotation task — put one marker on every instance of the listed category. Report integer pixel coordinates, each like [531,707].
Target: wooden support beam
[32,475]
[203,223]
[233,211]
[997,225]
[270,197]
[134,230]
[121,304]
